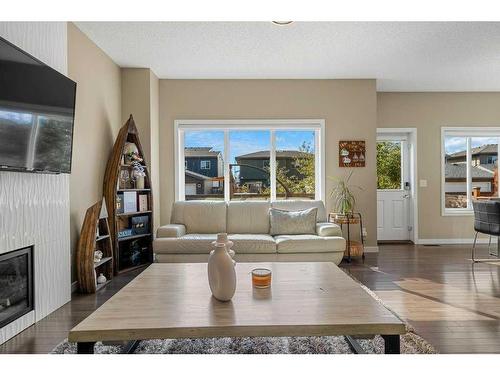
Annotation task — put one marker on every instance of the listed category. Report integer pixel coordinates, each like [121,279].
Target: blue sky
[455,144]
[245,142]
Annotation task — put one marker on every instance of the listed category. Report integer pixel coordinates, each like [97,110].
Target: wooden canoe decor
[95,235]
[133,247]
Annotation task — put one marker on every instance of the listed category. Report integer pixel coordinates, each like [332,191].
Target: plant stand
[353,248]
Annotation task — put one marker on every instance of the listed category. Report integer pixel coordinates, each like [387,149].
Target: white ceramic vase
[221,273]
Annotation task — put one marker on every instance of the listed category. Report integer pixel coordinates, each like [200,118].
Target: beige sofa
[194,225]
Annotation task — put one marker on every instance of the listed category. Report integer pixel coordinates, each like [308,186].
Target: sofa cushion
[187,244]
[297,205]
[308,243]
[328,229]
[293,222]
[248,217]
[171,230]
[200,216]
[253,243]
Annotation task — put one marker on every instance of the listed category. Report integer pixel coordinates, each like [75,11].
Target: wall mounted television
[37,107]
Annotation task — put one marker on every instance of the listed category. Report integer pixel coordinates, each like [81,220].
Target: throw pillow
[293,222]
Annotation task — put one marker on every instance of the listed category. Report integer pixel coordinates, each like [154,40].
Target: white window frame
[206,163]
[468,133]
[317,125]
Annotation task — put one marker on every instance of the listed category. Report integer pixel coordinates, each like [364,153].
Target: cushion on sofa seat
[293,222]
[171,230]
[187,244]
[200,216]
[253,243]
[297,205]
[328,229]
[248,217]
[308,243]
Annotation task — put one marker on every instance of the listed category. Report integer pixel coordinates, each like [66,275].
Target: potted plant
[342,196]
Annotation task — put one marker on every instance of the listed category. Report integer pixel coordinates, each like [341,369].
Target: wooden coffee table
[174,301]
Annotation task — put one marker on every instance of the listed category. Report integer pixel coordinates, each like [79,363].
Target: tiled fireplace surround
[34,208]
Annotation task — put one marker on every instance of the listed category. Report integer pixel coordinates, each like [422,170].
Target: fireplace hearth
[16,284]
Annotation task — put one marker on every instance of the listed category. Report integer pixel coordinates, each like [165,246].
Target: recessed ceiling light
[282,23]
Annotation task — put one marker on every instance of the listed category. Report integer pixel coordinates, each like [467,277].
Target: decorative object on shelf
[97,256]
[94,252]
[261,278]
[343,198]
[125,180]
[140,225]
[352,153]
[353,248]
[101,279]
[128,147]
[138,174]
[143,202]
[221,273]
[119,203]
[129,201]
[222,238]
[131,153]
[124,233]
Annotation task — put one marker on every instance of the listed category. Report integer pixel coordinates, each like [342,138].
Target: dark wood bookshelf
[136,250]
[87,270]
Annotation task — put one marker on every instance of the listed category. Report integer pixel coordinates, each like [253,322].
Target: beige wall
[428,112]
[348,106]
[97,121]
[140,97]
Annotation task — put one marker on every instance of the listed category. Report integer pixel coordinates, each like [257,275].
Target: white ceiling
[405,56]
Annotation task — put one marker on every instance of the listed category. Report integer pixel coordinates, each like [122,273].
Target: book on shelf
[129,201]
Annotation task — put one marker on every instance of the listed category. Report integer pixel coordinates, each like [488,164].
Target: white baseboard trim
[454,241]
[371,249]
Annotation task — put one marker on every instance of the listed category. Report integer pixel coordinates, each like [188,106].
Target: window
[201,180]
[469,167]
[256,159]
[205,164]
[389,165]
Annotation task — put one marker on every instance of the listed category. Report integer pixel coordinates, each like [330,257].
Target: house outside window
[205,164]
[249,159]
[469,167]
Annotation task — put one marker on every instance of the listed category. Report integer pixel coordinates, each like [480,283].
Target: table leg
[85,347]
[391,344]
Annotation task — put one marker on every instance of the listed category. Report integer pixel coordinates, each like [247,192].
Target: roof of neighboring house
[282,154]
[197,175]
[201,151]
[459,170]
[485,149]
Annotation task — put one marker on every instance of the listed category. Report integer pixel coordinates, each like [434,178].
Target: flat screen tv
[37,107]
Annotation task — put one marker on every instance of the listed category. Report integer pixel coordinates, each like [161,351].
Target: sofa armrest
[171,230]
[328,230]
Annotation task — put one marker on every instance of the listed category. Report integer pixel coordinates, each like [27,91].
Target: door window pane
[484,170]
[295,164]
[204,164]
[455,167]
[249,159]
[389,165]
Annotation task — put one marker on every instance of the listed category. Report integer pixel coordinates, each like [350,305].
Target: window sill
[457,212]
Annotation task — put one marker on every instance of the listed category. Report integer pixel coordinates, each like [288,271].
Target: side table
[353,248]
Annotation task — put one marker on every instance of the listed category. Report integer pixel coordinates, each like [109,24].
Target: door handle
[406,196]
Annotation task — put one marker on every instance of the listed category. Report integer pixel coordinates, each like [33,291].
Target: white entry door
[393,189]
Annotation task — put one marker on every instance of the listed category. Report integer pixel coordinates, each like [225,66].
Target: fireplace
[16,284]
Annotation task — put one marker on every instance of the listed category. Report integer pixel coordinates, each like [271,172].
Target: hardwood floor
[450,302]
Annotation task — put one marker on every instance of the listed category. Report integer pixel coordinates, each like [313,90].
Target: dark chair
[486,221]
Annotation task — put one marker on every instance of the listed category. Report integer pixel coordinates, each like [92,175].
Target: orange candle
[261,278]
